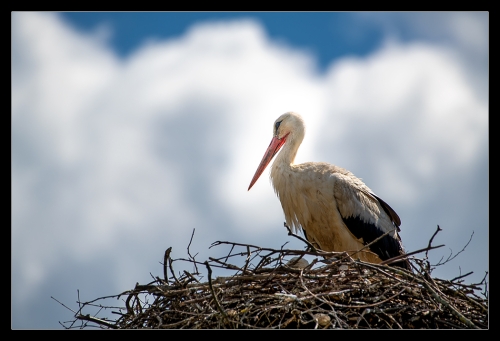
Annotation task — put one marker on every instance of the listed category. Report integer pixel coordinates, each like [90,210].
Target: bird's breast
[306,193]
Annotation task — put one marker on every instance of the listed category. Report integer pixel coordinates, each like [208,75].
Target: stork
[334,208]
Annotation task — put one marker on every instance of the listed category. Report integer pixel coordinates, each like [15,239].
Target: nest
[279,289]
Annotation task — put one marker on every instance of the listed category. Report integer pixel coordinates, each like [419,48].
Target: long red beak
[273,148]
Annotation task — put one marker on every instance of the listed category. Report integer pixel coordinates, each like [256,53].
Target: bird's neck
[286,157]
[282,168]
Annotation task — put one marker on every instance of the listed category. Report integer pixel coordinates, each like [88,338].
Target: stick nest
[276,289]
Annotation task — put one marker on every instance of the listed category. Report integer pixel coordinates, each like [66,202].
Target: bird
[335,209]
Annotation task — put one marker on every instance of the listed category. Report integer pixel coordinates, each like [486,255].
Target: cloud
[113,161]
[467,33]
[416,102]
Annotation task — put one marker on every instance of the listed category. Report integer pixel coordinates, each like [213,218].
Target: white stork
[334,208]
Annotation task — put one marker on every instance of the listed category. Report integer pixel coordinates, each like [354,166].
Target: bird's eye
[276,126]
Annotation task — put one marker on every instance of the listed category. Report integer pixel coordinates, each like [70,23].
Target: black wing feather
[390,212]
[385,248]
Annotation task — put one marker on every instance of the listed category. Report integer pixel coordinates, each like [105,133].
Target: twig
[63,305]
[96,320]
[191,276]
[453,310]
[432,238]
[461,276]
[450,258]
[166,257]
[172,270]
[247,260]
[219,307]
[229,266]
[406,255]
[290,233]
[189,253]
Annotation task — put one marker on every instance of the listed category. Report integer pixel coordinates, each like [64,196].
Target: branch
[219,307]
[166,257]
[454,311]
[189,253]
[96,320]
[290,233]
[406,255]
[432,238]
[459,252]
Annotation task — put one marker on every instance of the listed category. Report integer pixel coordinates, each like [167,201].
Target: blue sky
[344,33]
[131,129]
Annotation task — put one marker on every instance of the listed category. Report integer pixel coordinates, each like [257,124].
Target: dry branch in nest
[279,289]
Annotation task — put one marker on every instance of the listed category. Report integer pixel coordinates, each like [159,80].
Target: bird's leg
[290,233]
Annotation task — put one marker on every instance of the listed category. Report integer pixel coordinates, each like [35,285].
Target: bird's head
[288,127]
[288,123]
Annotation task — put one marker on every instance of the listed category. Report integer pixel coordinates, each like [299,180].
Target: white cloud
[467,33]
[413,99]
[114,161]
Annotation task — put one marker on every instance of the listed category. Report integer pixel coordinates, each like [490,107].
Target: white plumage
[335,209]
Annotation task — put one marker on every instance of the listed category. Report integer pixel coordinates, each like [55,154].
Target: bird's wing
[366,216]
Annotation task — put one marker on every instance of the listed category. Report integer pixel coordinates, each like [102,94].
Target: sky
[131,130]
